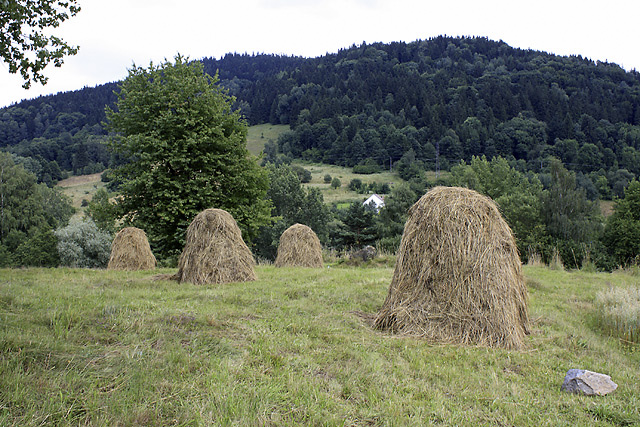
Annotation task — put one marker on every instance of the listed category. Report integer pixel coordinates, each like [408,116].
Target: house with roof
[375,201]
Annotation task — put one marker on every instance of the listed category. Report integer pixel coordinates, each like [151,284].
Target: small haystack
[299,247]
[214,251]
[458,277]
[130,251]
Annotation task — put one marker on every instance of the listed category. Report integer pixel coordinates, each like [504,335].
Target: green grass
[80,188]
[343,194]
[258,135]
[87,347]
[619,312]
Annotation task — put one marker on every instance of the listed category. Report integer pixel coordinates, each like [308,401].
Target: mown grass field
[80,188]
[88,347]
[258,135]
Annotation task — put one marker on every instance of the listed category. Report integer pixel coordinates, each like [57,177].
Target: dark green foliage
[291,204]
[327,179]
[573,223]
[356,185]
[188,153]
[102,211]
[566,211]
[304,175]
[367,166]
[39,250]
[443,99]
[392,217]
[28,213]
[25,46]
[356,227]
[622,231]
[336,183]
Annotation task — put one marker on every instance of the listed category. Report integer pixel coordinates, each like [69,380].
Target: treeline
[55,135]
[439,101]
[549,213]
[430,102]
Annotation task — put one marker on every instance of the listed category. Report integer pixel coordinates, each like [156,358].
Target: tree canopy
[187,152]
[24,40]
[622,232]
[29,212]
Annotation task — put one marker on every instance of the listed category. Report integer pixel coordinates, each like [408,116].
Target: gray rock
[588,383]
[365,254]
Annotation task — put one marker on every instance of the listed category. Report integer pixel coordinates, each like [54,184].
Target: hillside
[430,101]
[95,347]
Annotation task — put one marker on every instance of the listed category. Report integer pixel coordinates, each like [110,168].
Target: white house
[378,201]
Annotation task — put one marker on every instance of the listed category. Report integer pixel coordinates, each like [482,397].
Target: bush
[303,174]
[355,185]
[82,244]
[366,167]
[336,183]
[327,179]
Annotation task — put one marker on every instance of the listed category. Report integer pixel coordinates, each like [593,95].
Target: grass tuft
[619,312]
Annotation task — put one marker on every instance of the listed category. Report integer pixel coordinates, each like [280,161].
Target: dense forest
[425,104]
[544,136]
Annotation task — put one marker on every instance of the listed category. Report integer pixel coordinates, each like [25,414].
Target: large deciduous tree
[25,43]
[187,152]
[622,232]
[28,214]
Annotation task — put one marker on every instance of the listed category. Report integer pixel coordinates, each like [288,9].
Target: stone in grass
[588,383]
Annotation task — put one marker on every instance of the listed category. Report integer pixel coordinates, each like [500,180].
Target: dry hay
[299,247]
[130,251]
[458,277]
[214,251]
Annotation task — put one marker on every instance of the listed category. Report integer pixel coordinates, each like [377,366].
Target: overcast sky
[114,34]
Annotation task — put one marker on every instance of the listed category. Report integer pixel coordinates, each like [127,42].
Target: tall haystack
[299,247]
[130,251]
[458,276]
[214,251]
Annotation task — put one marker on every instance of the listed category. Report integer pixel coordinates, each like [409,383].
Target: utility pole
[437,158]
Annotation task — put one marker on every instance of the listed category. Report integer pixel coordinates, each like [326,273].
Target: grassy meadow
[258,135]
[94,347]
[80,188]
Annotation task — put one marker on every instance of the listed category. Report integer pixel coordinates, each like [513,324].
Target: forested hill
[445,98]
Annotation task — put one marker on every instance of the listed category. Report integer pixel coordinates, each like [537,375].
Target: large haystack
[299,247]
[130,251]
[214,251]
[458,276]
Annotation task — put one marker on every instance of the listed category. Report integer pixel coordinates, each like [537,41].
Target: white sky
[114,34]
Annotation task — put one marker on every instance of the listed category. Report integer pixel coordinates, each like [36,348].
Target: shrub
[355,185]
[327,179]
[82,244]
[366,167]
[303,174]
[336,183]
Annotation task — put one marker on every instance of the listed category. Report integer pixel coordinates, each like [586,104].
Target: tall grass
[619,312]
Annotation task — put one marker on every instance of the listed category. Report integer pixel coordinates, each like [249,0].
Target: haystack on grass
[130,251]
[214,251]
[299,247]
[458,276]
